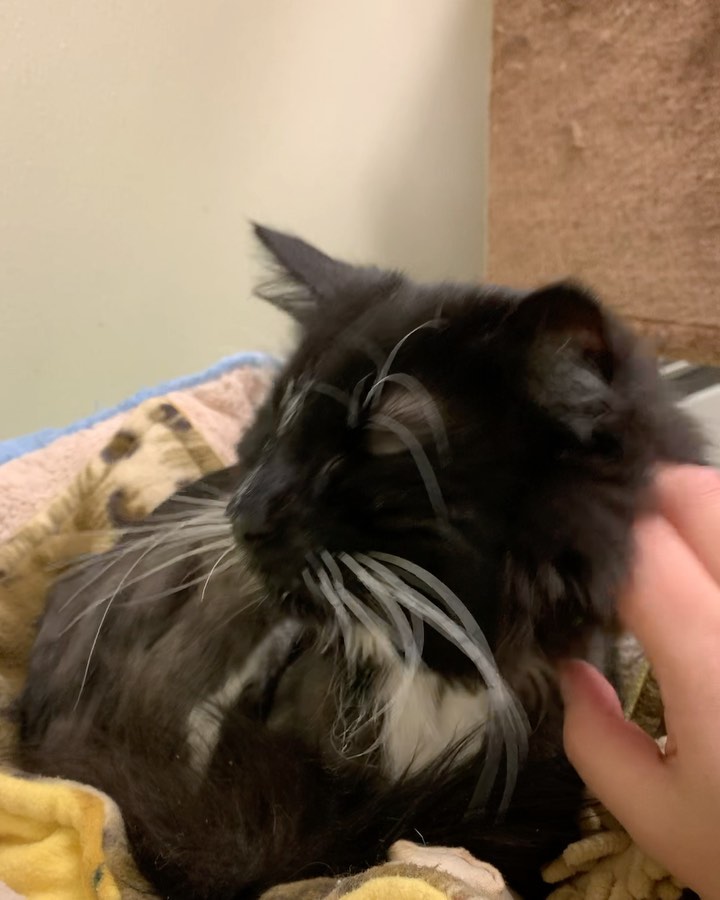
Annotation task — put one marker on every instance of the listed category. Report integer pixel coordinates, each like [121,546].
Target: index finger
[689,498]
[672,606]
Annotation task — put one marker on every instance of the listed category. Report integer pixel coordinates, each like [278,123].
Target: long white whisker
[329,390]
[93,579]
[186,585]
[325,589]
[374,624]
[144,528]
[418,628]
[181,557]
[430,408]
[207,502]
[211,489]
[220,558]
[383,596]
[365,616]
[221,626]
[449,599]
[189,529]
[509,716]
[102,622]
[431,323]
[189,554]
[420,457]
[472,641]
[354,405]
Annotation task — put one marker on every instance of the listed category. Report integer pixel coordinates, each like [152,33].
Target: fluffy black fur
[507,453]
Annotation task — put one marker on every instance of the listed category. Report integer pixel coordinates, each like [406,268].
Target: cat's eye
[326,473]
[386,437]
[403,420]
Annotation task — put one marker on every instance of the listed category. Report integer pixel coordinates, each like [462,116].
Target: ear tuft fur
[305,276]
[570,360]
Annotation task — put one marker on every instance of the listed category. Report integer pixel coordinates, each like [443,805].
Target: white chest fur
[420,714]
[423,714]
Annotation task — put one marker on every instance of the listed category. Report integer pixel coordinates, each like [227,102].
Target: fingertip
[675,578]
[591,706]
[581,682]
[610,754]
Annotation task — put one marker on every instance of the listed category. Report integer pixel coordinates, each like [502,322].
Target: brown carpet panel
[605,158]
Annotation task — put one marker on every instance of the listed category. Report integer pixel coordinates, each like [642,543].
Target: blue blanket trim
[15,447]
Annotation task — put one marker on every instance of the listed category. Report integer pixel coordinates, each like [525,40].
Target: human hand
[668,802]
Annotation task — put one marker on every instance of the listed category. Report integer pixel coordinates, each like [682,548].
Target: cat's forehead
[338,348]
[407,359]
[361,337]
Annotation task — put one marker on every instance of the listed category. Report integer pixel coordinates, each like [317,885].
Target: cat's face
[498,440]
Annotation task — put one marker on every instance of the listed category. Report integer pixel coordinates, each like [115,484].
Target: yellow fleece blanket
[64,841]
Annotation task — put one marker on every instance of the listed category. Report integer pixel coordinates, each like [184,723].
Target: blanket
[63,841]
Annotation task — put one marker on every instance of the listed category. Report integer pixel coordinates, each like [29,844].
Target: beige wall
[138,138]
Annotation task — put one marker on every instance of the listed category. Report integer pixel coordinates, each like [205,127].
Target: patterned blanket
[64,841]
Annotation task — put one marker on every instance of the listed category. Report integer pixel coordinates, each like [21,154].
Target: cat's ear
[306,277]
[569,359]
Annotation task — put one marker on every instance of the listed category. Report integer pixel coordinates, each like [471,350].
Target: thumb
[620,764]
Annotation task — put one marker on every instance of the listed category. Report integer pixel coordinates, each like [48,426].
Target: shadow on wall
[420,199]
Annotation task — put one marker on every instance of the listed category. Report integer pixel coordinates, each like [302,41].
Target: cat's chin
[282,584]
[290,591]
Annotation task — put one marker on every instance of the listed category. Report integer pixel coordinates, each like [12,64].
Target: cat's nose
[258,518]
[265,506]
[250,520]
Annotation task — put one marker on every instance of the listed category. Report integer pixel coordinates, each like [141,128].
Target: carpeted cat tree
[605,158]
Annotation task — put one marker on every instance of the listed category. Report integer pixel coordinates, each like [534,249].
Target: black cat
[248,674]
